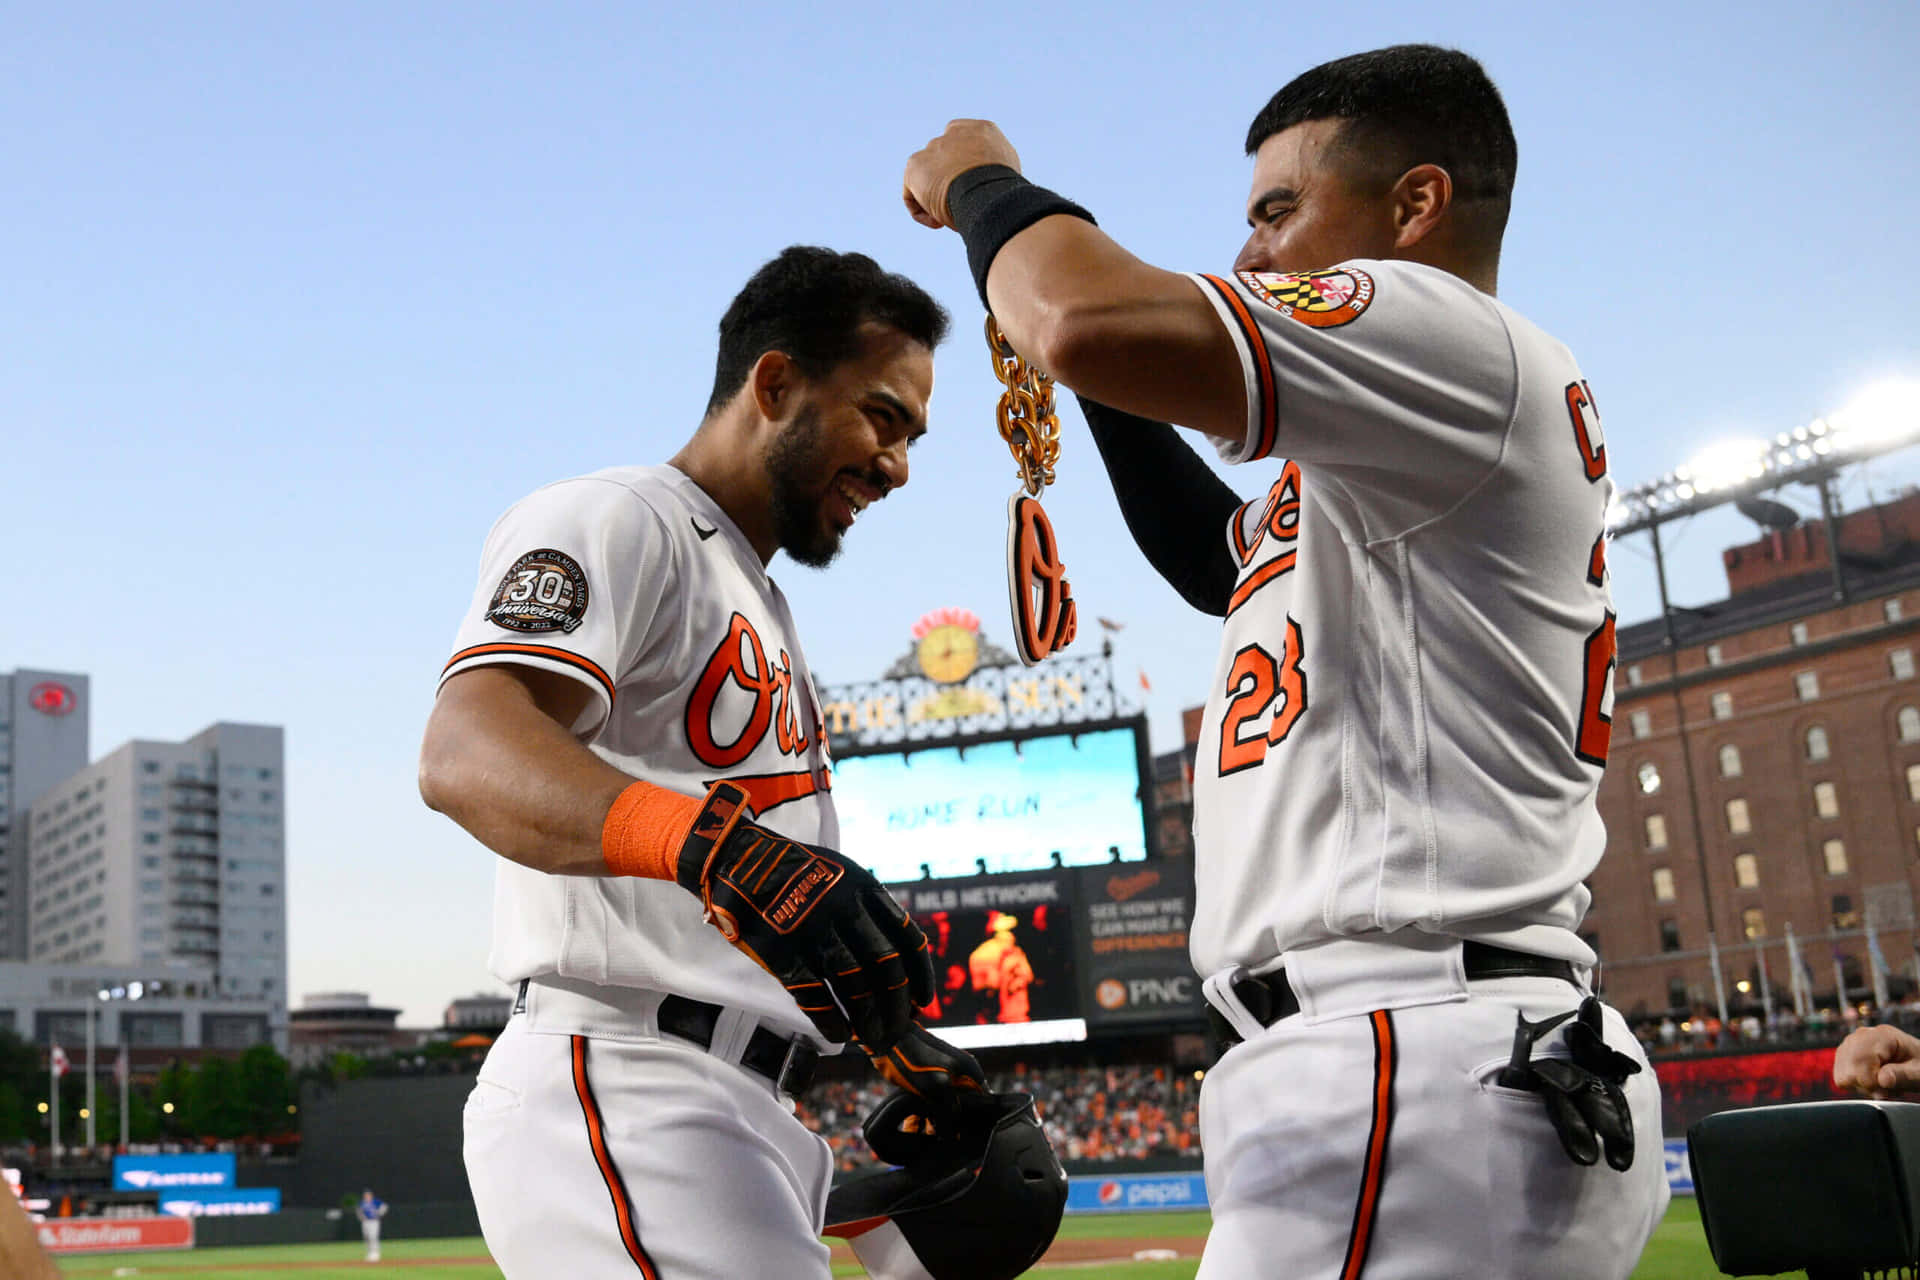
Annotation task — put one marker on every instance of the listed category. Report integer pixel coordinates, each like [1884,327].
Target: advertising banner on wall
[1679,1169]
[226,1202]
[172,1173]
[1135,1192]
[1694,1088]
[115,1235]
[1003,952]
[1133,930]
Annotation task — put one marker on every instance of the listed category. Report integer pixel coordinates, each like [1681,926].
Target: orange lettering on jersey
[768,790]
[786,722]
[1251,684]
[1254,683]
[1586,429]
[1594,734]
[1279,518]
[1597,561]
[739,661]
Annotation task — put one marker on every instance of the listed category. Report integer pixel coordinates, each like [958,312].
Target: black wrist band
[990,205]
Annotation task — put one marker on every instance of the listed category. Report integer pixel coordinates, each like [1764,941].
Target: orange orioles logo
[721,737]
[1045,620]
[1323,299]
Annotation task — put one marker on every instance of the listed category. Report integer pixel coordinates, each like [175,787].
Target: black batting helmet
[977,1195]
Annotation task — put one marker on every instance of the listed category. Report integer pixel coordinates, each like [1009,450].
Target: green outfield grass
[1678,1252]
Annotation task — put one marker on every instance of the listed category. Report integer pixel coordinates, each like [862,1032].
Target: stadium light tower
[1882,419]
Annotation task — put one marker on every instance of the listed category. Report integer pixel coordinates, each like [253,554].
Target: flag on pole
[1110,625]
[123,1074]
[58,1061]
[1144,682]
[1877,962]
[1797,976]
[1719,981]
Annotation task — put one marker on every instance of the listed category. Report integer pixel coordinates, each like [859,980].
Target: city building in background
[331,1022]
[154,1010]
[480,1012]
[1173,803]
[167,855]
[1764,776]
[43,739]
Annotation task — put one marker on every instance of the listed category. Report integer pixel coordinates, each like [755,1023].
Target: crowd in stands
[1704,1032]
[1090,1113]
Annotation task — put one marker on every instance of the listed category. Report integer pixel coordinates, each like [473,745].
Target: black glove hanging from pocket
[1583,1094]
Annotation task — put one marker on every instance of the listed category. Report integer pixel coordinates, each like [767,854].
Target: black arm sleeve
[1175,506]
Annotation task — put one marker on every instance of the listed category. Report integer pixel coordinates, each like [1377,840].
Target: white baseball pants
[1377,1145]
[647,1159]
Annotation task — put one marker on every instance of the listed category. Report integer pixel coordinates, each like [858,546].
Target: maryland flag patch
[1323,299]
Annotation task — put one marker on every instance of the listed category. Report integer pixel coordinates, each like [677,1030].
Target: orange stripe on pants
[1373,1176]
[616,1187]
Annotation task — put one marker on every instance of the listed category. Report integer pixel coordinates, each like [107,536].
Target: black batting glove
[1583,1091]
[852,959]
[928,1067]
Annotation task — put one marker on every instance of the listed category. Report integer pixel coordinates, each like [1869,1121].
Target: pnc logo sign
[51,698]
[1113,994]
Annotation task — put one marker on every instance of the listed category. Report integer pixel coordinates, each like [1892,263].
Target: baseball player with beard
[1406,727]
[628,720]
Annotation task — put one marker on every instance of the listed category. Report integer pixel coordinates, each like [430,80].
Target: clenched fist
[967,144]
[1879,1062]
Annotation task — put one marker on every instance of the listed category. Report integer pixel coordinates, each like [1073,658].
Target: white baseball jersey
[633,582]
[1410,714]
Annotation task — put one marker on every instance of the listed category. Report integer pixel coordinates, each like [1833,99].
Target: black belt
[789,1063]
[1270,998]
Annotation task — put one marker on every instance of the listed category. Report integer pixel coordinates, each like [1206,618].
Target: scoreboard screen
[1012,803]
[1004,957]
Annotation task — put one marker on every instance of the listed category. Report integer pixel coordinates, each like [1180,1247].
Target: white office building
[169,855]
[43,739]
[156,1007]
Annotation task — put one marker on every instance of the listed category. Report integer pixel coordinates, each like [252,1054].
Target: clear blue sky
[299,297]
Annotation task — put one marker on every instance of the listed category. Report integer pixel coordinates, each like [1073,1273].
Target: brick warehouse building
[1765,772]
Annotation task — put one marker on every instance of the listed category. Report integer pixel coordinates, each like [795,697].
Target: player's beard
[795,461]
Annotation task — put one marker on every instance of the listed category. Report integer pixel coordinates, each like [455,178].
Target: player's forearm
[517,781]
[1115,328]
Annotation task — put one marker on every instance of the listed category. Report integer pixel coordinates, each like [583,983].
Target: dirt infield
[1113,1249]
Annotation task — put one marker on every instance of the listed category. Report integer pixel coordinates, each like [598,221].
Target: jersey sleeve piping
[585,670]
[1256,366]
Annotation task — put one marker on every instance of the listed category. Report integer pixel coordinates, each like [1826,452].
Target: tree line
[253,1095]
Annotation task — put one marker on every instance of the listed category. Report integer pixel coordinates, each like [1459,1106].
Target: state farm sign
[115,1235]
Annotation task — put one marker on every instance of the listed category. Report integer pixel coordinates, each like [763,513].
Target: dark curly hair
[810,303]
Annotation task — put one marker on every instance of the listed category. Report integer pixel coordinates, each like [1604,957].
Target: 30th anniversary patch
[546,590]
[1322,299]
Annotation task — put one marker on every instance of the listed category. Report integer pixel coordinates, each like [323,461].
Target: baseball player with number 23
[1395,792]
[629,722]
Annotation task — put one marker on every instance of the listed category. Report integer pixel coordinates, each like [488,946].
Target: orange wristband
[645,830]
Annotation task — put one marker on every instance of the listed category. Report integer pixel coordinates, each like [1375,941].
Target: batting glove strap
[853,961]
[726,808]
